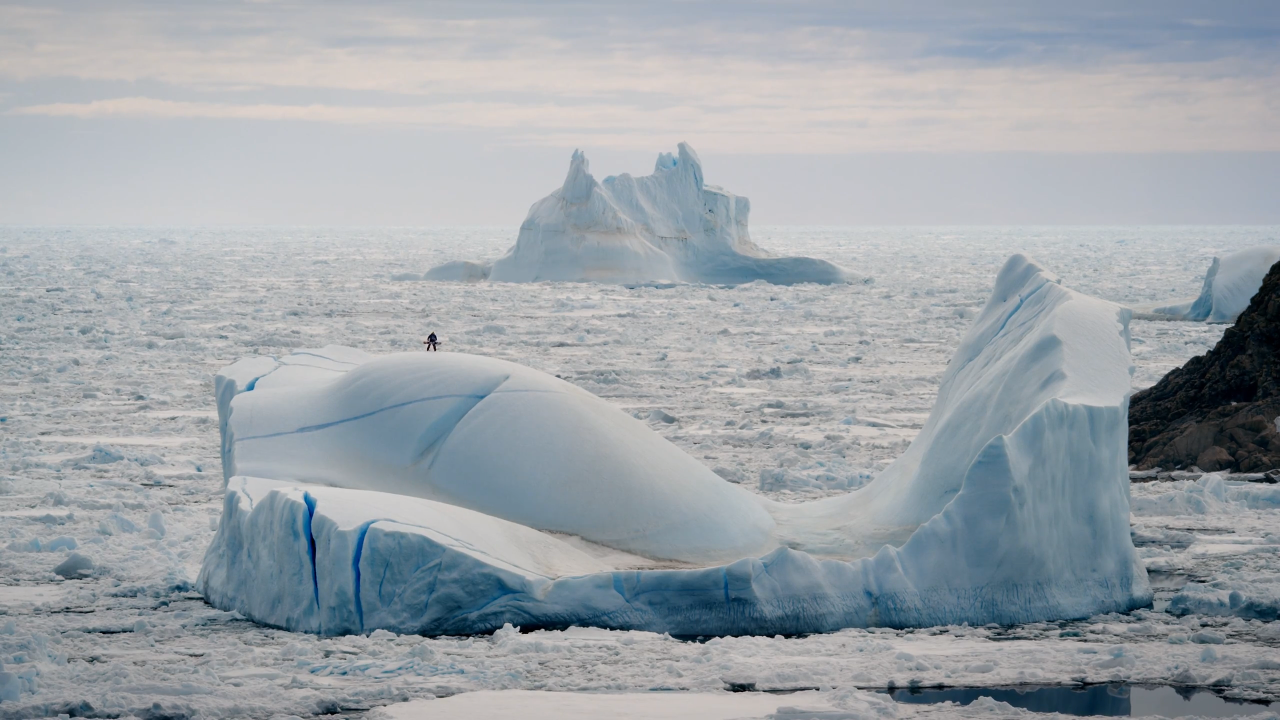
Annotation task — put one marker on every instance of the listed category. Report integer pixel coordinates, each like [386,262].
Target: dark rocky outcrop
[1219,410]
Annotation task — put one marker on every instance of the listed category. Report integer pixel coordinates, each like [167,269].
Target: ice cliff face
[1229,284]
[668,226]
[1011,506]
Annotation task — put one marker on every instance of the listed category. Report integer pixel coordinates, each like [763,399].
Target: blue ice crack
[311,544]
[396,406]
[361,532]
[249,386]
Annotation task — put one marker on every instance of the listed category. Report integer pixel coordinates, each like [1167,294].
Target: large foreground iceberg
[442,493]
[1230,283]
[668,226]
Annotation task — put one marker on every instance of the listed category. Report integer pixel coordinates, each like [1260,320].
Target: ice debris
[10,687]
[75,566]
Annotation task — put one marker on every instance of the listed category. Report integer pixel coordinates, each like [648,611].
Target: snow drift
[538,504]
[668,226]
[1229,285]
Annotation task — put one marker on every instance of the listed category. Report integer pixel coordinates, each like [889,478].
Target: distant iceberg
[444,493]
[665,227]
[1230,283]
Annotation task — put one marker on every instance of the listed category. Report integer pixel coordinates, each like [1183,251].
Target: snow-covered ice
[488,435]
[668,226]
[110,341]
[1011,505]
[1221,522]
[529,705]
[843,704]
[1229,284]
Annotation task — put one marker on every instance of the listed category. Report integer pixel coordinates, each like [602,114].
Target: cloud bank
[760,78]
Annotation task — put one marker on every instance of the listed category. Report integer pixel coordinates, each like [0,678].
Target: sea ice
[668,226]
[1221,514]
[1229,284]
[536,705]
[134,639]
[1011,506]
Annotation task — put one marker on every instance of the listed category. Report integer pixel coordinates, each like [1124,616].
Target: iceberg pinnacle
[666,227]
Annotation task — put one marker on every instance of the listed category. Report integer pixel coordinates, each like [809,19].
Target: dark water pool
[1116,700]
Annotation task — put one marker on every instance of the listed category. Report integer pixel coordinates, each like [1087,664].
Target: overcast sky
[425,113]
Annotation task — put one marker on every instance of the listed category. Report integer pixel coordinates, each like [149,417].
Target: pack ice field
[111,456]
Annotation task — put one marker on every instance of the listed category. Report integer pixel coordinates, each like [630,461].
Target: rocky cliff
[1219,411]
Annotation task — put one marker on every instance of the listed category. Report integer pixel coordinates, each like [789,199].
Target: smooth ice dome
[1230,283]
[664,227]
[484,434]
[444,493]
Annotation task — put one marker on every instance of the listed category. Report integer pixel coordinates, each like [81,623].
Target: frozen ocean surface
[109,339]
